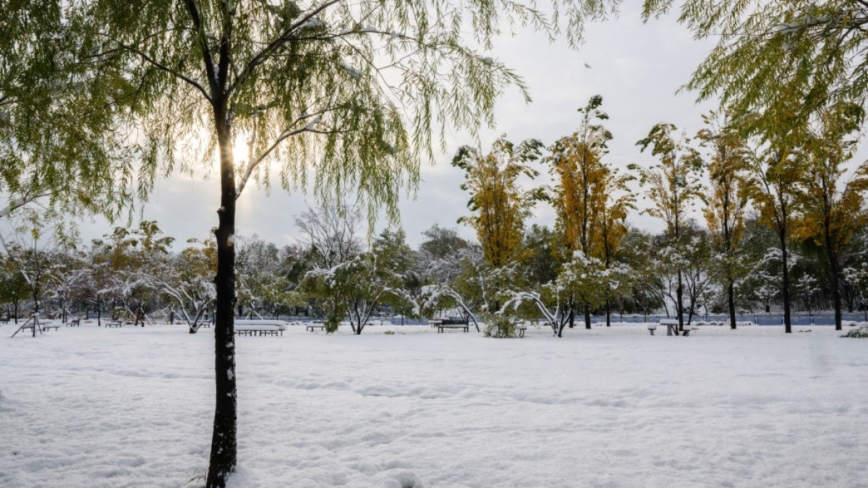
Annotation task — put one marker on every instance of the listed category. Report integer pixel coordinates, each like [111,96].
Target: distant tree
[544,255]
[359,286]
[673,187]
[614,206]
[832,208]
[776,170]
[498,203]
[188,281]
[579,192]
[640,254]
[727,200]
[260,284]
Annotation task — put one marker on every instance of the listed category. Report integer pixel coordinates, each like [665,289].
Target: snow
[133,407]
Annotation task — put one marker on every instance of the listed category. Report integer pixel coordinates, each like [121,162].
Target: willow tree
[673,187]
[58,143]
[578,171]
[345,95]
[728,198]
[768,49]
[833,205]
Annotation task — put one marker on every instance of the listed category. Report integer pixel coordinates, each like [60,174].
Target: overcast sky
[636,67]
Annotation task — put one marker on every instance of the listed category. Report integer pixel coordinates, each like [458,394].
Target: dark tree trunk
[788,327]
[587,318]
[609,314]
[730,298]
[224,442]
[679,303]
[836,283]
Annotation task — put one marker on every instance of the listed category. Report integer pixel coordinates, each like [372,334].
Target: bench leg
[651,331]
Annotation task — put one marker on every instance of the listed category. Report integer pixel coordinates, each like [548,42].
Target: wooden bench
[114,323]
[49,325]
[442,326]
[74,323]
[311,327]
[259,327]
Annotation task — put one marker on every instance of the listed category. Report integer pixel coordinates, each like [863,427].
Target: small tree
[672,186]
[728,200]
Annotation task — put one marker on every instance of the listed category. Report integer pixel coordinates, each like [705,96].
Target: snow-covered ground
[131,407]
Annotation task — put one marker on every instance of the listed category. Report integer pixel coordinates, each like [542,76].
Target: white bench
[114,323]
[310,327]
[49,325]
[259,327]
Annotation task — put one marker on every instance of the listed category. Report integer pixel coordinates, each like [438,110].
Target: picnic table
[671,327]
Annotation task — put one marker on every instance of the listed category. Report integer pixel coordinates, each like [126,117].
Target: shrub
[860,333]
[499,326]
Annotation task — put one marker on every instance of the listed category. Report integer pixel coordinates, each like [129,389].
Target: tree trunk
[836,285]
[223,442]
[609,314]
[788,327]
[730,298]
[587,318]
[679,303]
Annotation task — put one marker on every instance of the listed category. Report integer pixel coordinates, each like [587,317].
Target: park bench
[450,323]
[114,323]
[310,327]
[74,323]
[48,325]
[259,327]
[521,329]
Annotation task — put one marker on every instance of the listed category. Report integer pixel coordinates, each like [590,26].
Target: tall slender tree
[727,200]
[673,187]
[579,173]
[832,208]
[775,170]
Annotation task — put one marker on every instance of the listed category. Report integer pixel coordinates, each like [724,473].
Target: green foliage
[499,326]
[787,59]
[498,204]
[860,333]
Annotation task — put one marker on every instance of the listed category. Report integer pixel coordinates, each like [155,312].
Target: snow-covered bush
[499,326]
[860,333]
